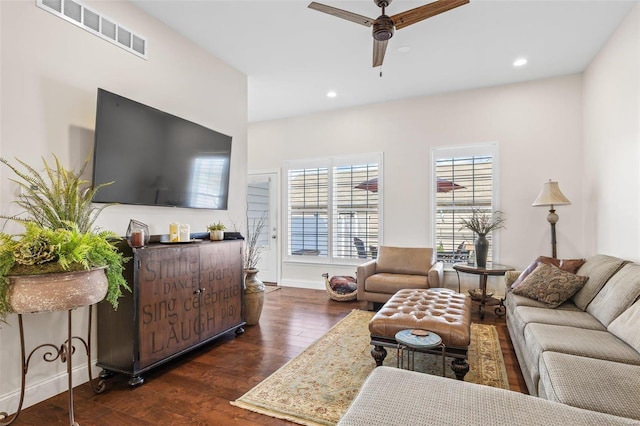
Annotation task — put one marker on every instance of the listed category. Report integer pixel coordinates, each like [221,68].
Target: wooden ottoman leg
[379,353]
[460,367]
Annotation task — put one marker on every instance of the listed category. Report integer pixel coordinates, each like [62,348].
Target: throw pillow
[569,265]
[550,285]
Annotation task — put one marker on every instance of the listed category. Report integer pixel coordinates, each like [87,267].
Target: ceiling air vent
[97,24]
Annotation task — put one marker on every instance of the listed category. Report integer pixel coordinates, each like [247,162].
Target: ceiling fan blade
[379,49]
[349,16]
[418,14]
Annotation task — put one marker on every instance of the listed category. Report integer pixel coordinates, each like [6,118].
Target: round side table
[410,341]
[483,273]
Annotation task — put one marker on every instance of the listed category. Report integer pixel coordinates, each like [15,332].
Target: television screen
[157,159]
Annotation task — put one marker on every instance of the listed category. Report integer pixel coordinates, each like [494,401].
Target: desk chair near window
[397,268]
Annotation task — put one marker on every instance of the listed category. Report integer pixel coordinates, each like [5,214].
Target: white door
[262,202]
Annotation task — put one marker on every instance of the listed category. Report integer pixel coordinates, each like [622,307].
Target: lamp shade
[551,195]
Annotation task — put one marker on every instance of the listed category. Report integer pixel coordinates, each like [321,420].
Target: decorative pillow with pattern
[550,285]
[569,265]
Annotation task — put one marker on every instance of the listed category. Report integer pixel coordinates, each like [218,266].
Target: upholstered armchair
[396,268]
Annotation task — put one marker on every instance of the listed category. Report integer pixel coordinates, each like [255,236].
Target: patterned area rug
[317,386]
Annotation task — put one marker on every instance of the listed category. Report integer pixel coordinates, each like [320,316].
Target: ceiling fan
[384,26]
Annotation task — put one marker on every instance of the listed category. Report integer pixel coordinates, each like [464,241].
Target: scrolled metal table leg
[66,356]
[65,353]
[4,415]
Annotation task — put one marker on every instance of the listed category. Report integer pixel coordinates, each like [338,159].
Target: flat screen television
[157,159]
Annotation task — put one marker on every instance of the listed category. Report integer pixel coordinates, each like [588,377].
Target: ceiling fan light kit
[384,26]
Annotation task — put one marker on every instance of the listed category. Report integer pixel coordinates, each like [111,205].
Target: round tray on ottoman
[341,288]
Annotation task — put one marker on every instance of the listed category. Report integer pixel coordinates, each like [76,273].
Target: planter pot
[482,250]
[56,292]
[253,300]
[216,235]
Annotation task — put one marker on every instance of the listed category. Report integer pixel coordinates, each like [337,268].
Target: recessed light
[332,94]
[520,62]
[404,49]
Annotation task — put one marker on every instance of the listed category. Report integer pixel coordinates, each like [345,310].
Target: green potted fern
[72,263]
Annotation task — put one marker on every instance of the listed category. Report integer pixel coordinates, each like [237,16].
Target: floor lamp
[551,196]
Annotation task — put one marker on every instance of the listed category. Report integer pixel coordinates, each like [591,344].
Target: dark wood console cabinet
[182,296]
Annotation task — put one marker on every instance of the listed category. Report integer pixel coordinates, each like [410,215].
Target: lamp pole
[552,217]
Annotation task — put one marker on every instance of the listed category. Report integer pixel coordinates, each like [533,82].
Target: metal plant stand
[64,353]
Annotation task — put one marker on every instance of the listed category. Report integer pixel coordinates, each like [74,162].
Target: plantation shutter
[333,208]
[355,222]
[462,183]
[308,211]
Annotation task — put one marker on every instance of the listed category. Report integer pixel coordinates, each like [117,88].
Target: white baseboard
[41,390]
[314,285]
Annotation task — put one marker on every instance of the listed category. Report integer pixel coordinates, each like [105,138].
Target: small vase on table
[482,250]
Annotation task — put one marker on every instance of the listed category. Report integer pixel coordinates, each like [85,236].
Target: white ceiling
[293,55]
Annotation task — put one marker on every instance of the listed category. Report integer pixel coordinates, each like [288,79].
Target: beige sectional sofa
[391,396]
[397,268]
[582,359]
[586,352]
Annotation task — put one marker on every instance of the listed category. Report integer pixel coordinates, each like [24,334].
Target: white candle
[185,231]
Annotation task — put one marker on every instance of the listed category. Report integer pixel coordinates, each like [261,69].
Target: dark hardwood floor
[196,388]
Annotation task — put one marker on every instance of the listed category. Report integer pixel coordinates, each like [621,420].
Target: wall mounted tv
[157,159]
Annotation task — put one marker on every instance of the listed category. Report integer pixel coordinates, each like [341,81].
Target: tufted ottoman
[440,310]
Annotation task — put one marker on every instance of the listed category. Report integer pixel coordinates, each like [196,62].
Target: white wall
[538,126]
[612,144]
[50,72]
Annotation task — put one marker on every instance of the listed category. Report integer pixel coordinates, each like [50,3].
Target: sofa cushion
[627,326]
[550,285]
[539,338]
[609,387]
[569,265]
[622,289]
[405,260]
[577,341]
[599,269]
[390,396]
[391,283]
[514,300]
[570,318]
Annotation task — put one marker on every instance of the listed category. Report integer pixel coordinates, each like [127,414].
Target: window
[333,208]
[463,180]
